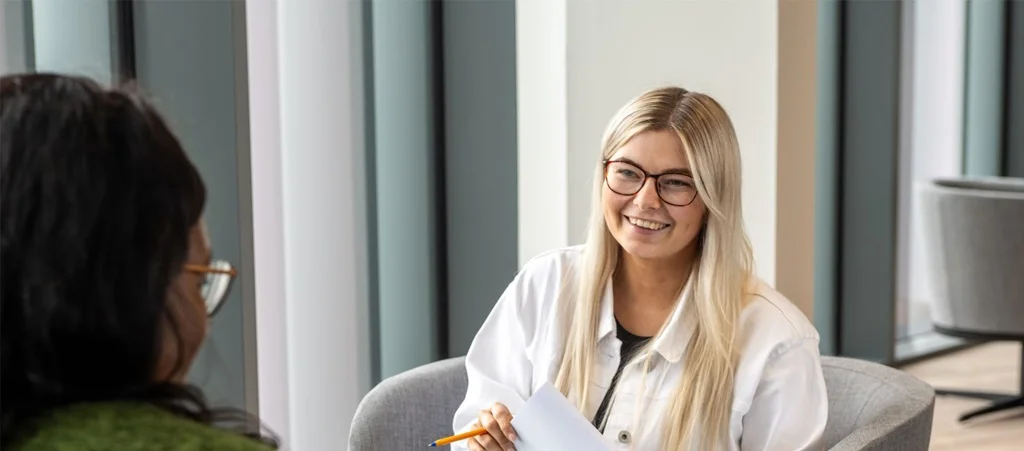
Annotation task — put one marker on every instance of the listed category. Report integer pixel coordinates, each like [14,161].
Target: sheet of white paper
[548,421]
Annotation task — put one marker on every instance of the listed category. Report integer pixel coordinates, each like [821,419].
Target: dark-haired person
[106,275]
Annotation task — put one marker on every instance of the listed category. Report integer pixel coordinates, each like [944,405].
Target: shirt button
[623,436]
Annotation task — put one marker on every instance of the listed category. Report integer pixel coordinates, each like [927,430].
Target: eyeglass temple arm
[207,269]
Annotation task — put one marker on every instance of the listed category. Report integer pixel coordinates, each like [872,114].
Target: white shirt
[779,399]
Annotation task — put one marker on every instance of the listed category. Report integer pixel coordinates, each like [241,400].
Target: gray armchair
[974,229]
[874,407]
[871,407]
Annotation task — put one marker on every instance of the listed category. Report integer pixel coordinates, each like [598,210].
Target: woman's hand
[500,435]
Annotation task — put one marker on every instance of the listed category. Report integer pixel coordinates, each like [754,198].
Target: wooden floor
[990,367]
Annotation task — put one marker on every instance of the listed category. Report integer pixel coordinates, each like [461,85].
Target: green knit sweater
[128,427]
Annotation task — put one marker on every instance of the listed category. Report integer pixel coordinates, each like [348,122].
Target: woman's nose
[647,198]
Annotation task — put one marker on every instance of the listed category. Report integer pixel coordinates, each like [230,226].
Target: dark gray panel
[19,48]
[1014,165]
[826,171]
[185,61]
[372,252]
[247,265]
[480,161]
[870,150]
[405,152]
[983,90]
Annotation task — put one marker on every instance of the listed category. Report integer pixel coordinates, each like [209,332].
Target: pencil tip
[432,445]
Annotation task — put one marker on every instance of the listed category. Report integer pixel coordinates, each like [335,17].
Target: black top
[630,344]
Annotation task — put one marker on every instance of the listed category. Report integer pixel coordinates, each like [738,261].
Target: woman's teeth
[646,224]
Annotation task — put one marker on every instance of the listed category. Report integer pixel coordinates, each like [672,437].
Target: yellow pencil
[462,436]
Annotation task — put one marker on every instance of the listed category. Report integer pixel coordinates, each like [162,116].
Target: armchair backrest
[410,410]
[875,407]
[975,242]
[871,407]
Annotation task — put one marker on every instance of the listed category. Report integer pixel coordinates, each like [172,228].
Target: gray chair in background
[871,407]
[974,230]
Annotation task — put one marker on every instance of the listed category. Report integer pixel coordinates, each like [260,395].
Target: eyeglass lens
[626,179]
[216,285]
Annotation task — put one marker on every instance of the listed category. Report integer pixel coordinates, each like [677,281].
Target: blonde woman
[656,328]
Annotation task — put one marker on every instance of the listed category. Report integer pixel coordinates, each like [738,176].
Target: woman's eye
[677,183]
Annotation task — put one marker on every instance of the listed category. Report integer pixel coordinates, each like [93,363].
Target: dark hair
[97,200]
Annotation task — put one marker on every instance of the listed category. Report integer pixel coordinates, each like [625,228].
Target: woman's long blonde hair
[701,406]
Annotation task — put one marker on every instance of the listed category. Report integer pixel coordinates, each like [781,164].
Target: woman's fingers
[495,439]
[482,442]
[474,444]
[504,417]
[486,443]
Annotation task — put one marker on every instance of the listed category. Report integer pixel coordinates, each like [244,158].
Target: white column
[306,112]
[267,214]
[578,62]
[542,120]
[936,126]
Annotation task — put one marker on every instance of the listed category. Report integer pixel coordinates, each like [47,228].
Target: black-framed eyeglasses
[219,274]
[627,179]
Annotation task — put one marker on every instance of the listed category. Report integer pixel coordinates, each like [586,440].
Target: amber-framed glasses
[218,277]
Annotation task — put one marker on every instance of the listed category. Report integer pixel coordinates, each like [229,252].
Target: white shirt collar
[672,343]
